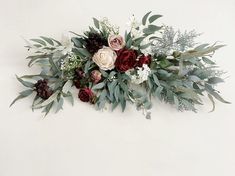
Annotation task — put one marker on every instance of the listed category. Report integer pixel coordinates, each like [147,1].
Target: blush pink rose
[116,42]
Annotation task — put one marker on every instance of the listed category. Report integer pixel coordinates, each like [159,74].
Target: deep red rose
[126,59]
[143,60]
[86,95]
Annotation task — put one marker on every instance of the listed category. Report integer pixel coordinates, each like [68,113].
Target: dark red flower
[143,60]
[77,83]
[79,73]
[126,59]
[86,95]
[42,89]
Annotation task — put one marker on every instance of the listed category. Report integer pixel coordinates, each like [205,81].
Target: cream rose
[105,58]
[116,42]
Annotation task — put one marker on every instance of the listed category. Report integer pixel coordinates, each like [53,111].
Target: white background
[80,141]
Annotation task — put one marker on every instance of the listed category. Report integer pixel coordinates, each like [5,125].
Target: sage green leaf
[144,19]
[218,97]
[59,105]
[123,103]
[70,98]
[23,94]
[39,41]
[153,18]
[87,66]
[98,86]
[129,43]
[165,63]
[151,29]
[96,23]
[67,86]
[145,46]
[114,105]
[156,81]
[212,101]
[158,92]
[76,42]
[208,61]
[117,93]
[47,108]
[137,41]
[25,83]
[104,73]
[176,101]
[26,92]
[215,80]
[49,100]
[194,78]
[48,40]
[84,52]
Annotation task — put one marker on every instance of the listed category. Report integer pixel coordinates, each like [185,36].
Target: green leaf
[76,42]
[87,66]
[158,92]
[151,29]
[98,86]
[25,83]
[215,80]
[60,105]
[96,23]
[123,103]
[47,108]
[26,92]
[165,63]
[208,61]
[49,100]
[145,46]
[176,101]
[144,19]
[218,97]
[70,98]
[23,94]
[48,40]
[137,41]
[156,81]
[129,43]
[39,41]
[67,86]
[153,18]
[211,91]
[84,52]
[213,102]
[117,93]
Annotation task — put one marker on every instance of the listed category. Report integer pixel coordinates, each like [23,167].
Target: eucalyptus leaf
[25,83]
[153,18]
[67,86]
[96,23]
[39,41]
[144,19]
[98,86]
[49,100]
[48,40]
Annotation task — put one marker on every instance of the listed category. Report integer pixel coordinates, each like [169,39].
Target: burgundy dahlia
[42,89]
[126,59]
[94,42]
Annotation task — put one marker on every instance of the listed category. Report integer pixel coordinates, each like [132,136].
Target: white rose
[105,58]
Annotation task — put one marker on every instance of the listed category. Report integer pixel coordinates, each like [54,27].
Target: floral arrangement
[109,69]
